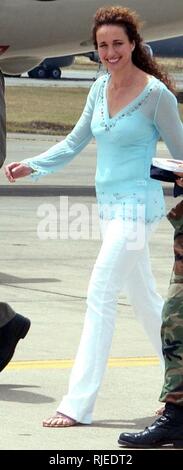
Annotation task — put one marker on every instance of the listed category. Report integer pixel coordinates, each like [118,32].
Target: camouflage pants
[172,319]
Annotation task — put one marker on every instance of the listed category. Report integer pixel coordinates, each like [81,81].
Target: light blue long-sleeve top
[126,144]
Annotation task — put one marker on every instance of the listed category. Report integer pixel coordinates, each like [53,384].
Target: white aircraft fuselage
[31,30]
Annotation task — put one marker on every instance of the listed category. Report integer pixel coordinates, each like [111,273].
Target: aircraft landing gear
[45,72]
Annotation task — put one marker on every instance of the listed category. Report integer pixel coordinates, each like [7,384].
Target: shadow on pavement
[137,423]
[17,393]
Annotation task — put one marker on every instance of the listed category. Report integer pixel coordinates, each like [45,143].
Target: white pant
[116,267]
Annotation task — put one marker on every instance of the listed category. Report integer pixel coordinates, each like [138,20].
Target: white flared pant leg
[113,267]
[147,306]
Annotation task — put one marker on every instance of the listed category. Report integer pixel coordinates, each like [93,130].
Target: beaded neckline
[110,122]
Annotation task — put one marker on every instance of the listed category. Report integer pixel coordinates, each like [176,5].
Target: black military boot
[10,334]
[168,429]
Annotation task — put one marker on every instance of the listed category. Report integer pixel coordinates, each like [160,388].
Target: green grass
[46,110]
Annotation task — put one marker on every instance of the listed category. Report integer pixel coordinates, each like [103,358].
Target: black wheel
[37,72]
[55,73]
[41,72]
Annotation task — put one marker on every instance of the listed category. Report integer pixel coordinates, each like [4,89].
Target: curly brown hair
[129,20]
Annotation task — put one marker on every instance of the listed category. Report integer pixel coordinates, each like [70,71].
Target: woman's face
[114,47]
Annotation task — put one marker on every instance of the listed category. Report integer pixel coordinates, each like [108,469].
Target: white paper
[169,164]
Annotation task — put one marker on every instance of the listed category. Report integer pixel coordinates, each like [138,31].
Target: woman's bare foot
[59,420]
[159,412]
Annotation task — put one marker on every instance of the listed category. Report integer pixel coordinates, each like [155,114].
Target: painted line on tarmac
[68,363]
[54,190]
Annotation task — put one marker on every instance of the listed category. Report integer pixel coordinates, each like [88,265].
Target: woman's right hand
[17,170]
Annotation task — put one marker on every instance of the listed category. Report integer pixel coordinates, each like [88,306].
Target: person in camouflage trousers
[172,318]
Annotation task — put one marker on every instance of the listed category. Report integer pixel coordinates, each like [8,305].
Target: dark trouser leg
[2,122]
[13,326]
[6,313]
